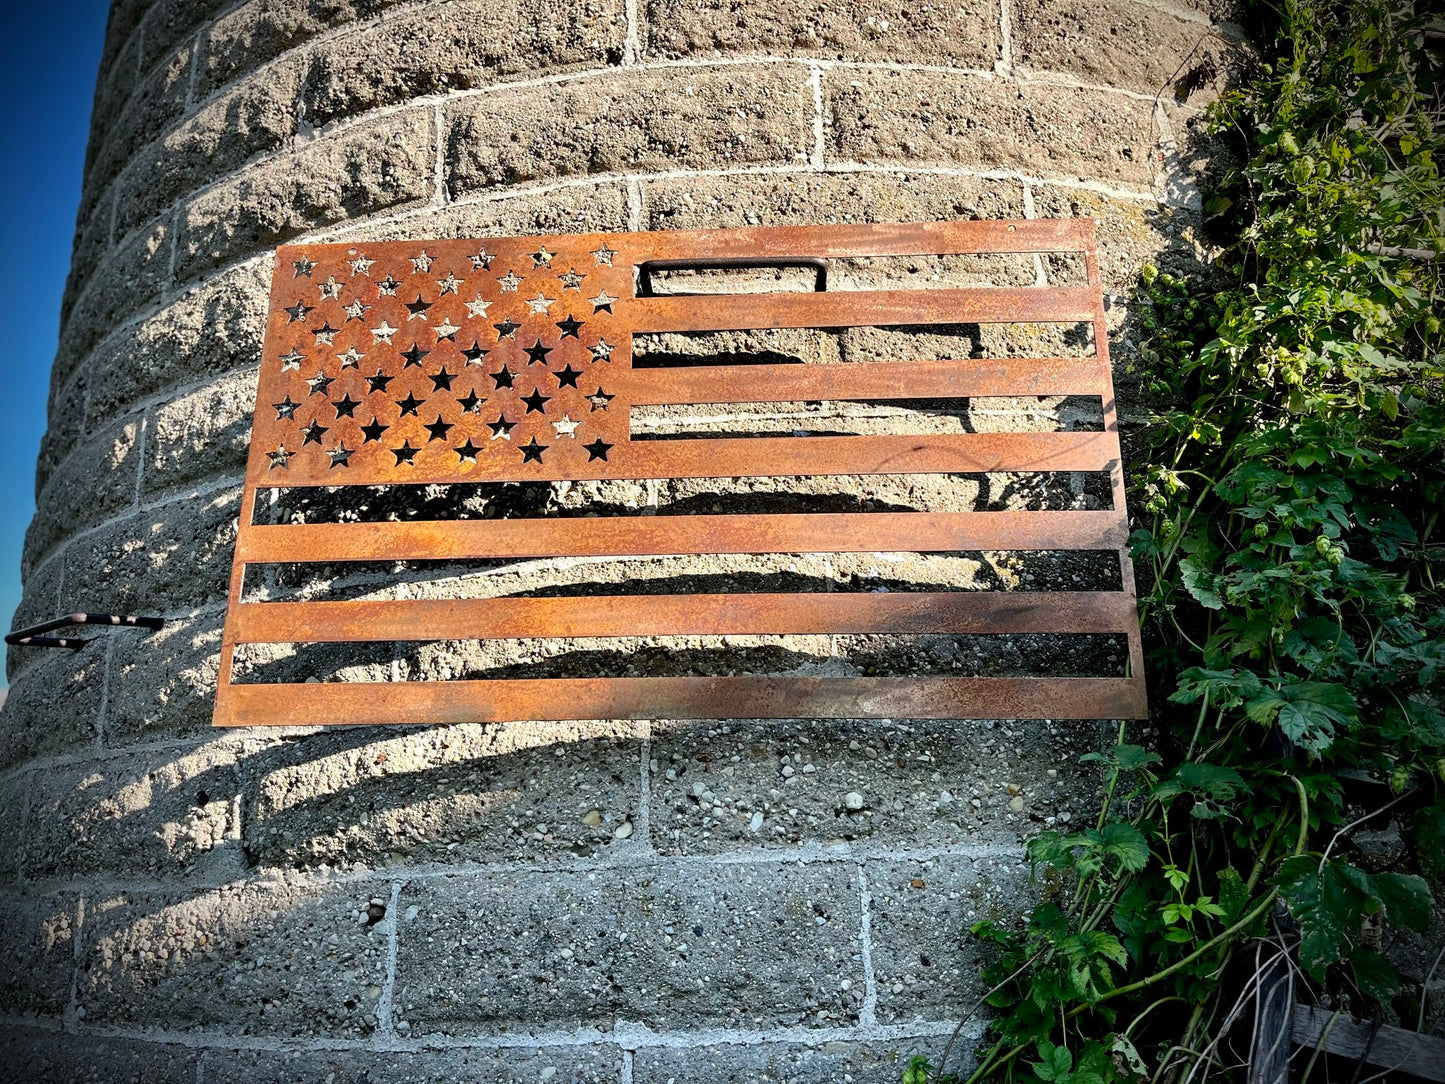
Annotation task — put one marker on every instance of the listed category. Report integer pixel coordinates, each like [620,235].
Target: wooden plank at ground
[1394,1048]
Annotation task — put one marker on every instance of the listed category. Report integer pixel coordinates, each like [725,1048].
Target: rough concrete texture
[594,901]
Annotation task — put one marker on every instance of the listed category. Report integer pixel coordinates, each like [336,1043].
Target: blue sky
[50,52]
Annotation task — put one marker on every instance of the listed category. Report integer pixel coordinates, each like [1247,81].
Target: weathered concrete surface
[592,901]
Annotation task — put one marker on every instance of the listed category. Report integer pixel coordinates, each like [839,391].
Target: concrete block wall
[573,902]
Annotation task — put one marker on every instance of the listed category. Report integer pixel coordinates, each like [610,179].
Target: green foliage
[1289,557]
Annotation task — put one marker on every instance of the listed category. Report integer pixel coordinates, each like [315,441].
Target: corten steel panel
[509,359]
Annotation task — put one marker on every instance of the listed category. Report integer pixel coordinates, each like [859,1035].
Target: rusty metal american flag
[510,359]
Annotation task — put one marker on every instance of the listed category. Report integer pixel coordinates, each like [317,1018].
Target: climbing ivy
[1290,563]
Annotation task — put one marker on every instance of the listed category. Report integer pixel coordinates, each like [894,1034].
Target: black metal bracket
[31,637]
[646,270]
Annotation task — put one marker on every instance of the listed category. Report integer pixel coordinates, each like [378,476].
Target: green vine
[1294,483]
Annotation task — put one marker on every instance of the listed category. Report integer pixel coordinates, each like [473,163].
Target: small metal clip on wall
[31,637]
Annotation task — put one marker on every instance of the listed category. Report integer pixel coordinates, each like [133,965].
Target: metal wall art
[509,359]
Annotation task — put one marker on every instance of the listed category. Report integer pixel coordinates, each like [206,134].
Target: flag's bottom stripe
[962,612]
[431,703]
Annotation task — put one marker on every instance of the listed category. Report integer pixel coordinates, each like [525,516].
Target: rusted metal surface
[509,359]
[32,636]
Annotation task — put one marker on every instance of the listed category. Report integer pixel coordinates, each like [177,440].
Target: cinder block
[54,698]
[129,279]
[29,1055]
[670,946]
[65,425]
[258,958]
[94,482]
[14,789]
[387,163]
[253,34]
[1119,44]
[896,31]
[778,1063]
[987,124]
[214,329]
[580,208]
[721,787]
[520,1065]
[158,101]
[163,684]
[1131,233]
[256,117]
[524,792]
[89,246]
[695,118]
[169,21]
[690,203]
[173,557]
[37,944]
[200,436]
[157,814]
[924,962]
[461,46]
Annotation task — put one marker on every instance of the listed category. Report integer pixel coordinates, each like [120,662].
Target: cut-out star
[602,351]
[501,428]
[416,310]
[340,456]
[602,302]
[281,457]
[478,307]
[571,280]
[422,262]
[350,358]
[330,289]
[472,404]
[346,406]
[604,255]
[566,376]
[503,377]
[482,260]
[297,311]
[509,282]
[286,409]
[442,381]
[383,333]
[449,284]
[409,405]
[438,429]
[303,267]
[540,303]
[292,360]
[467,451]
[447,330]
[320,382]
[355,311]
[542,258]
[314,432]
[569,327]
[598,449]
[325,334]
[537,353]
[361,265]
[387,286]
[599,399]
[506,329]
[414,355]
[536,401]
[474,353]
[373,430]
[379,381]
[532,451]
[405,453]
[566,427]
